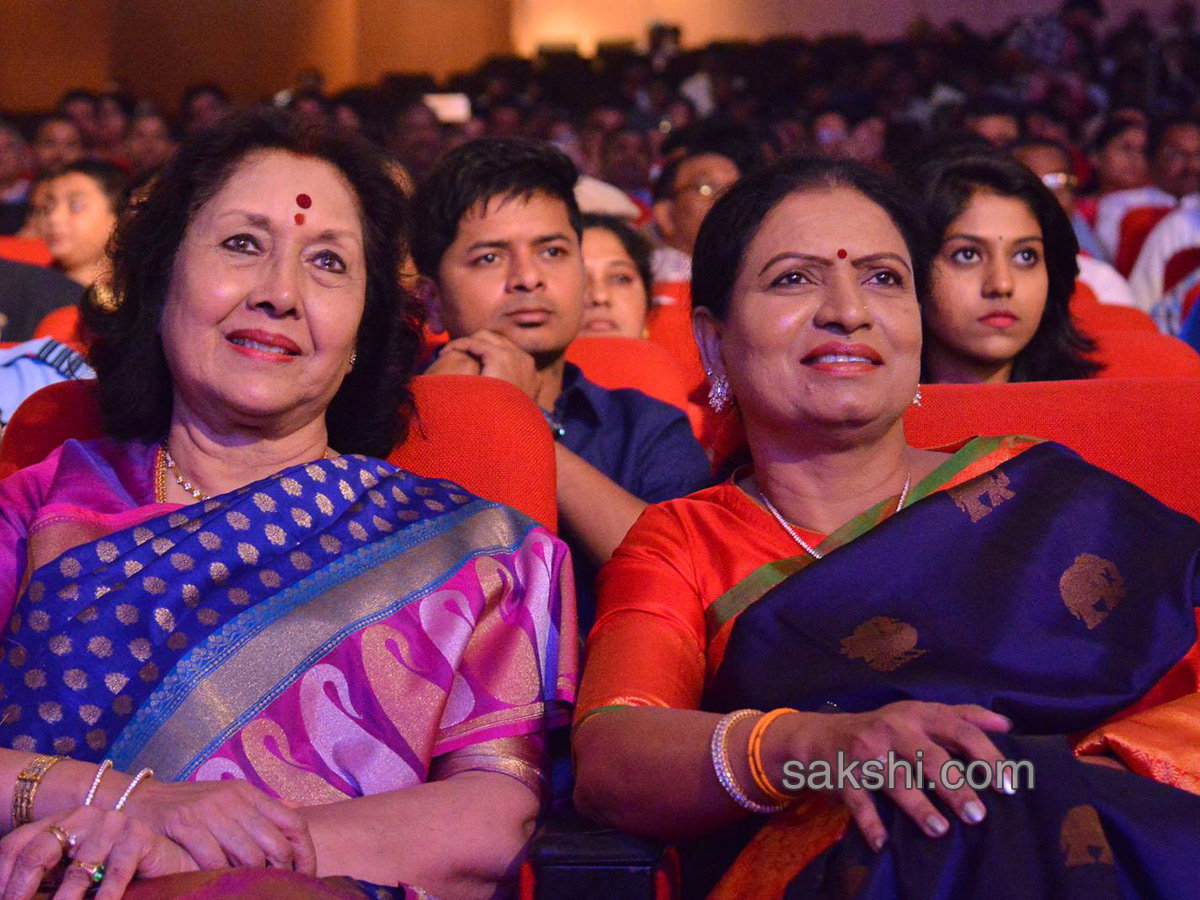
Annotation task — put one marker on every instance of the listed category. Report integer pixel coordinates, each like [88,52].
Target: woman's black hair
[635,245]
[1058,350]
[734,220]
[369,413]
[112,180]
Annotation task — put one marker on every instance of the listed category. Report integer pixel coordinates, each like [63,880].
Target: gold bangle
[27,786]
[757,770]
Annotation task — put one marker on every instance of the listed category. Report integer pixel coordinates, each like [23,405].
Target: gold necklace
[165,461]
[807,547]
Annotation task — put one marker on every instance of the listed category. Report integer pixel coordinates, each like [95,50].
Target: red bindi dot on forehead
[303,201]
[841,254]
[299,218]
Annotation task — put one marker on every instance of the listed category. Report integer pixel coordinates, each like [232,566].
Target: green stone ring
[95,871]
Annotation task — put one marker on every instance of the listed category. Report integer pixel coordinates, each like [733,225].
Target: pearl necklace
[807,547]
[165,461]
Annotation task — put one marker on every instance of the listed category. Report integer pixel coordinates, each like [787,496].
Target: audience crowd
[245,653]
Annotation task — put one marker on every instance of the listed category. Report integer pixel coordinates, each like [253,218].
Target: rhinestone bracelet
[724,771]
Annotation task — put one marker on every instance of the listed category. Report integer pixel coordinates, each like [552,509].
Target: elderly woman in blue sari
[999,602]
[235,637]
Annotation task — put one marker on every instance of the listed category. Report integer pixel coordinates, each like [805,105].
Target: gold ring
[66,841]
[95,870]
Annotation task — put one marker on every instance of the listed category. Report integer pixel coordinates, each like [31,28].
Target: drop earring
[353,359]
[916,401]
[718,392]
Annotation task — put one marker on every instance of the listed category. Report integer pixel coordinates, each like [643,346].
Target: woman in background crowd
[1002,276]
[617,263]
[80,212]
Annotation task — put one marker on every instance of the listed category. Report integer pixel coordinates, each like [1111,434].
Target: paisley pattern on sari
[323,633]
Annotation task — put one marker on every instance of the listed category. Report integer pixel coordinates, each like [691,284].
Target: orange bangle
[757,769]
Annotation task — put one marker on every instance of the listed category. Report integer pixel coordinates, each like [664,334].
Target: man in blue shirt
[497,242]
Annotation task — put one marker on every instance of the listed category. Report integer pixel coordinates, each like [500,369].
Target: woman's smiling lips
[836,358]
[999,318]
[263,345]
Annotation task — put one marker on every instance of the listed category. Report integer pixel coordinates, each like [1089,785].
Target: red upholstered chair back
[25,250]
[670,326]
[481,432]
[486,435]
[1092,316]
[1100,317]
[1143,354]
[623,362]
[1135,228]
[1143,430]
[61,324]
[1083,296]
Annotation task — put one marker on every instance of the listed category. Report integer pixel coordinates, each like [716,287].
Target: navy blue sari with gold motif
[1046,590]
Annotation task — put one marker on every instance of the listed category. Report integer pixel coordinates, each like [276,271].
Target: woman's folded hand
[913,731]
[123,846]
[226,823]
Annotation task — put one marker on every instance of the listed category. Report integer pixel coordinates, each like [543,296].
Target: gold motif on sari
[883,643]
[1082,839]
[1092,588]
[969,497]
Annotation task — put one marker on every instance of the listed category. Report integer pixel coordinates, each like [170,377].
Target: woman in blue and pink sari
[783,649]
[340,674]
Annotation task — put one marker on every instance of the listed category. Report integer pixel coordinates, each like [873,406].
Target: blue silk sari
[1046,590]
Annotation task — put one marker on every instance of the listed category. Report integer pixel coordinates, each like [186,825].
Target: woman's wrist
[66,786]
[790,738]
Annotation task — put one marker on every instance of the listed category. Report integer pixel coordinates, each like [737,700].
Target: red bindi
[299,218]
[303,201]
[841,254]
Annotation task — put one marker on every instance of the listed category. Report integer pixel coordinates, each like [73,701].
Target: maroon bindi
[303,201]
[841,254]
[299,218]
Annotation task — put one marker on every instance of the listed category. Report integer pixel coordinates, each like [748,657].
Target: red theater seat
[25,250]
[1092,316]
[670,326]
[1144,354]
[1101,317]
[621,362]
[1141,429]
[481,432]
[61,324]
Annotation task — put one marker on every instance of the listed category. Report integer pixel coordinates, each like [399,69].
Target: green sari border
[739,597]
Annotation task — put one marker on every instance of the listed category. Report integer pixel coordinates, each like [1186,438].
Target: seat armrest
[574,857]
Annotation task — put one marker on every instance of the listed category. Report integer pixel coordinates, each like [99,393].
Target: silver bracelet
[724,771]
[91,795]
[137,779]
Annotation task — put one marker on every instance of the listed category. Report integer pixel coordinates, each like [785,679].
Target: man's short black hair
[474,174]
